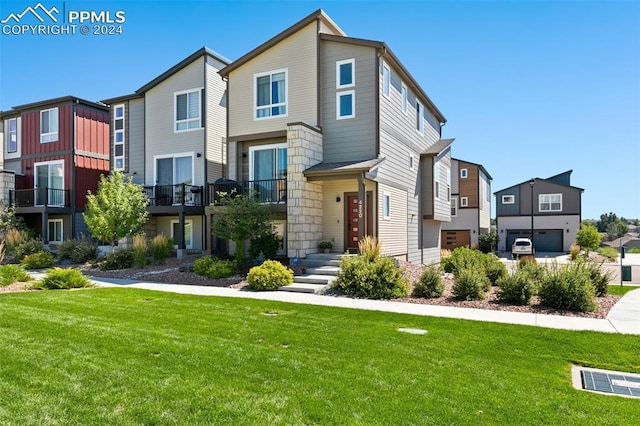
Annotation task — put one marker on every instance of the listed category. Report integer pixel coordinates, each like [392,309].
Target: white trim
[353,104]
[186,222]
[464,173]
[436,181]
[35,181]
[351,61]
[540,202]
[255,148]
[388,85]
[404,98]
[464,202]
[286,95]
[61,222]
[412,161]
[49,137]
[448,184]
[117,132]
[508,199]
[174,156]
[15,132]
[454,206]
[187,120]
[386,206]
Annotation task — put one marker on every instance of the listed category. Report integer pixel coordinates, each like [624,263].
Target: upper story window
[118,137]
[188,109]
[436,181]
[270,94]
[464,173]
[386,80]
[49,125]
[448,184]
[386,206]
[412,161]
[508,199]
[12,135]
[454,207]
[419,118]
[404,98]
[345,73]
[345,104]
[464,201]
[550,202]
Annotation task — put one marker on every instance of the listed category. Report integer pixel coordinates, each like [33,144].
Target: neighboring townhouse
[470,205]
[340,141]
[169,137]
[54,151]
[554,219]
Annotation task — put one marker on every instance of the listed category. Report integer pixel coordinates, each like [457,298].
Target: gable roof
[552,179]
[317,15]
[170,72]
[53,101]
[475,164]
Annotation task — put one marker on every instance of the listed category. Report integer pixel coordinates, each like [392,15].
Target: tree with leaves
[117,209]
[241,218]
[588,238]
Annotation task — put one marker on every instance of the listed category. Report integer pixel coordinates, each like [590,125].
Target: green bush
[535,271]
[140,251]
[161,247]
[430,284]
[10,274]
[214,268]
[446,263]
[374,278]
[266,245]
[517,289]
[79,250]
[568,287]
[470,284]
[609,252]
[59,278]
[494,269]
[599,279]
[39,260]
[121,259]
[634,250]
[27,247]
[269,276]
[466,258]
[488,242]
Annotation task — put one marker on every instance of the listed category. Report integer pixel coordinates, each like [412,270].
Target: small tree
[588,237]
[242,218]
[9,220]
[116,210]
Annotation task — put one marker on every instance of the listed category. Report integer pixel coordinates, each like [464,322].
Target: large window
[345,71]
[12,135]
[271,94]
[188,233]
[49,125]
[188,108]
[171,172]
[55,230]
[118,137]
[550,202]
[268,172]
[345,104]
[49,183]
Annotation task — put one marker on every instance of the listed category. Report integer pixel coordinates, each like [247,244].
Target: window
[12,135]
[550,202]
[463,173]
[188,110]
[271,94]
[404,98]
[55,230]
[412,161]
[49,125]
[386,206]
[171,171]
[49,183]
[454,207]
[268,171]
[464,201]
[419,118]
[118,137]
[508,199]
[386,78]
[188,233]
[345,71]
[448,184]
[345,104]
[436,181]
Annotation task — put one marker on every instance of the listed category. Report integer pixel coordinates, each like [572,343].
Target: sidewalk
[623,318]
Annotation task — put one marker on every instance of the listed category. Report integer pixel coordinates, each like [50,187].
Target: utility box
[626,273]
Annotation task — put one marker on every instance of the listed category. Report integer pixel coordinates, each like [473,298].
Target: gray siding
[353,138]
[79,225]
[509,209]
[442,205]
[571,199]
[13,165]
[216,119]
[135,143]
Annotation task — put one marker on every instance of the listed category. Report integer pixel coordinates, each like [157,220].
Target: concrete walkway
[623,318]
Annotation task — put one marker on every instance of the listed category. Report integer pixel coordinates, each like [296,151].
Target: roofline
[318,14]
[331,172]
[122,98]
[475,164]
[536,179]
[387,52]
[448,141]
[68,98]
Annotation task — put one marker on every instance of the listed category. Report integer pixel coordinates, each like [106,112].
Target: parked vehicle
[522,246]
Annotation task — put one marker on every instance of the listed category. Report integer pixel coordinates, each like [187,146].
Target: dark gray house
[554,219]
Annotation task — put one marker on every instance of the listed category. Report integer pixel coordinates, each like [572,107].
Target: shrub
[266,245]
[377,278]
[39,260]
[27,247]
[466,258]
[533,270]
[609,252]
[634,250]
[517,288]
[214,268]
[121,259]
[2,251]
[470,285]
[160,248]
[80,250]
[599,279]
[269,276]
[574,251]
[526,259]
[430,283]
[140,251]
[14,237]
[488,242]
[446,261]
[370,247]
[59,278]
[568,287]
[10,274]
[494,269]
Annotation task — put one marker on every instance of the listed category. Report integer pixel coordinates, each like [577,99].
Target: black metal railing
[181,194]
[269,191]
[35,197]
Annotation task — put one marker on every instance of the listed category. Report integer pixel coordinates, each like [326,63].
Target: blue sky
[529,89]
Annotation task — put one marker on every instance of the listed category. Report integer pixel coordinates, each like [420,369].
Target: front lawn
[618,290]
[124,356]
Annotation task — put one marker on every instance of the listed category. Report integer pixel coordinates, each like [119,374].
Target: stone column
[7,183]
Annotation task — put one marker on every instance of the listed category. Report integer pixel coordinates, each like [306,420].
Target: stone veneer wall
[7,183]
[304,198]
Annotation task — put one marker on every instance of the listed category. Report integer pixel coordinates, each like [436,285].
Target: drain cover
[609,382]
[412,330]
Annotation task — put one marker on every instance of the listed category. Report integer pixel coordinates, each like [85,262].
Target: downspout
[206,146]
[73,172]
[420,213]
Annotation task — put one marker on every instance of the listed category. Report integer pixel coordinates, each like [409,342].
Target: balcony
[270,191]
[181,194]
[40,197]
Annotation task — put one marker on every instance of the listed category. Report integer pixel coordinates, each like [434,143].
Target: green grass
[123,356]
[619,290]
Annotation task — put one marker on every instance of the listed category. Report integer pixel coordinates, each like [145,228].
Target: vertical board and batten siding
[134,144]
[298,54]
[30,170]
[509,209]
[216,119]
[441,205]
[92,130]
[31,132]
[161,139]
[349,139]
[88,171]
[571,198]
[393,231]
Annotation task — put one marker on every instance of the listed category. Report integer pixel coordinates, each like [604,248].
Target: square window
[345,73]
[345,104]
[270,94]
[550,202]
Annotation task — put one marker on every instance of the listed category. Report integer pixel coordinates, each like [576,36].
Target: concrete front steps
[321,270]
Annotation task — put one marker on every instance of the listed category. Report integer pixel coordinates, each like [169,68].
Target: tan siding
[135,142]
[216,121]
[393,231]
[298,55]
